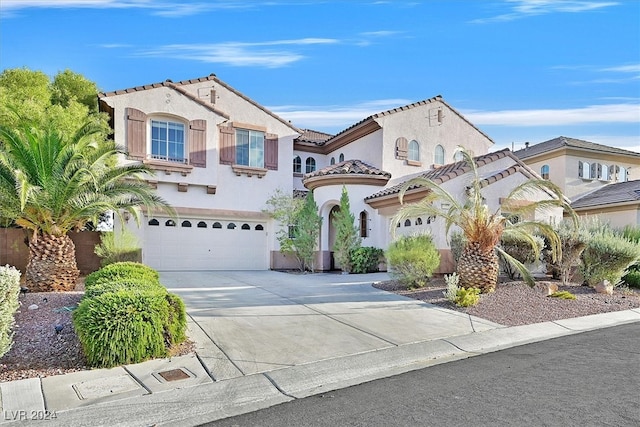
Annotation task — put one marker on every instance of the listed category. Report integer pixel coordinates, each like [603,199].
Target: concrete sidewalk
[264,338]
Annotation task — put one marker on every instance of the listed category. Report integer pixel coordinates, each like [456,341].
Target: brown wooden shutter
[136,134]
[402,148]
[271,151]
[227,145]
[198,143]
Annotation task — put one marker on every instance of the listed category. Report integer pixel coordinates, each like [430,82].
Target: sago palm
[51,185]
[478,264]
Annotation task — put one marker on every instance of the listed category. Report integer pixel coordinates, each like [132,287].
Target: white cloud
[237,53]
[525,8]
[608,113]
[633,68]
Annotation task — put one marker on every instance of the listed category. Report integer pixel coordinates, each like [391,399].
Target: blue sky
[521,70]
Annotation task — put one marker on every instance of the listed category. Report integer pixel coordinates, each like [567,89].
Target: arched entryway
[334,265]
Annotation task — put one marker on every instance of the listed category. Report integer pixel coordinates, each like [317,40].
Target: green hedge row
[127,316]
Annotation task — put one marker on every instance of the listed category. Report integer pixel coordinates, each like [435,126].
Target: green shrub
[573,241]
[563,295]
[176,325]
[120,247]
[607,256]
[366,259]
[413,259]
[102,287]
[521,250]
[467,297]
[122,327]
[122,271]
[632,278]
[9,292]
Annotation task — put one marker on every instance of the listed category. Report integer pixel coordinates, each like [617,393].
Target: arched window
[217,225]
[310,165]
[438,158]
[202,224]
[333,161]
[246,227]
[186,224]
[584,170]
[414,151]
[457,156]
[364,224]
[605,173]
[544,171]
[419,221]
[341,158]
[407,223]
[297,164]
[153,222]
[170,223]
[623,175]
[231,226]
[259,227]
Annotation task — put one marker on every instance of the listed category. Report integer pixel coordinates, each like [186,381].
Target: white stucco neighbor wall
[367,149]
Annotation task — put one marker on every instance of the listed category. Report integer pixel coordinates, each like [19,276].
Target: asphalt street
[586,379]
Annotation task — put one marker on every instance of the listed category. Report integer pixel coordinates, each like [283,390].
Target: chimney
[526,145]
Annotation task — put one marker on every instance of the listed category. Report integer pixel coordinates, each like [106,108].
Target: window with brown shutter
[402,148]
[227,145]
[198,143]
[271,151]
[136,134]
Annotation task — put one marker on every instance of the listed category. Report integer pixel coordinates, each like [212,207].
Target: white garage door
[199,244]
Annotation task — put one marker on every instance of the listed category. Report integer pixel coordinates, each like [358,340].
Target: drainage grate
[174,375]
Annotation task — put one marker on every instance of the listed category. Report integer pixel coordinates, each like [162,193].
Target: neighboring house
[219,156]
[583,170]
[618,204]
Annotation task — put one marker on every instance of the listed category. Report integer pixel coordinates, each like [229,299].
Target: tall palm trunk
[478,268]
[52,264]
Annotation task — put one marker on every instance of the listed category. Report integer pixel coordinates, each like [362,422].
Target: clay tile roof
[564,142]
[444,173]
[621,192]
[349,167]
[313,137]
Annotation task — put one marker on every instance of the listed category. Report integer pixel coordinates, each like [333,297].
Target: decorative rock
[604,287]
[33,307]
[546,288]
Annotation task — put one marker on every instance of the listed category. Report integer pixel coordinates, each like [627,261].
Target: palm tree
[478,264]
[51,185]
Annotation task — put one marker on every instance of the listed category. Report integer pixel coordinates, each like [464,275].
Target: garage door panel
[195,248]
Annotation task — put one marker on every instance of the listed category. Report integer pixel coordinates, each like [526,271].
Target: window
[186,223]
[419,221]
[544,171]
[246,227]
[605,173]
[333,161]
[414,151]
[439,155]
[310,165]
[217,225]
[364,224]
[202,224]
[167,141]
[341,158]
[154,222]
[457,156]
[293,230]
[170,223]
[584,170]
[259,227]
[407,223]
[250,148]
[231,226]
[623,175]
[297,164]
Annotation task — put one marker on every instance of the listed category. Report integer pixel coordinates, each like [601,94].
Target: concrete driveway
[248,322]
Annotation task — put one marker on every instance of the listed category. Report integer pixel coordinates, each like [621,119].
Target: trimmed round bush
[122,327]
[176,326]
[122,271]
[413,259]
[134,283]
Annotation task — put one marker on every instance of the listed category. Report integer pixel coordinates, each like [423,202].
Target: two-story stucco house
[600,181]
[219,156]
